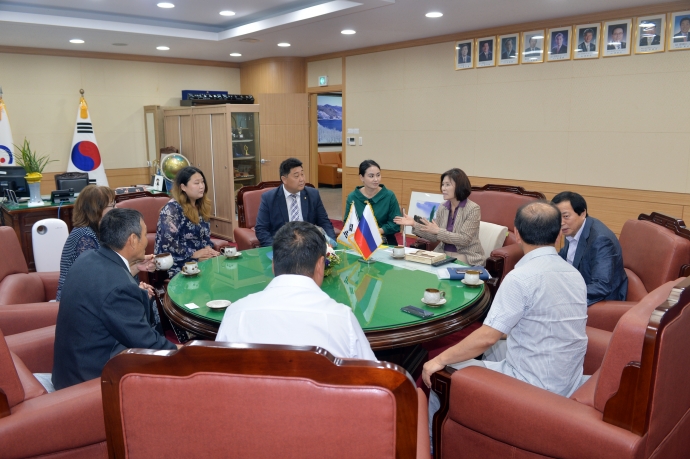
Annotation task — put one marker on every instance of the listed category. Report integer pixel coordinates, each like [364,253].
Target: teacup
[229,251]
[399,251]
[472,276]
[191,267]
[433,295]
[163,261]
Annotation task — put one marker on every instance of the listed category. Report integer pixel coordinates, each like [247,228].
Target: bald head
[538,223]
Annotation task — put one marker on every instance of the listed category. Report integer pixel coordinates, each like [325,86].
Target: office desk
[22,218]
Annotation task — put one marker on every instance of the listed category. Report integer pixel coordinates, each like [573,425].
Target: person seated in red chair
[292,309]
[103,310]
[541,306]
[290,202]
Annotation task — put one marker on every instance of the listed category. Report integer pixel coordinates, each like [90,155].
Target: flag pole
[403,230]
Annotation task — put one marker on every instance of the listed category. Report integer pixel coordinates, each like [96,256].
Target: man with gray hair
[102,310]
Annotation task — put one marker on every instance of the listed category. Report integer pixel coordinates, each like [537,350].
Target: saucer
[218,304]
[190,274]
[433,305]
[237,254]
[397,258]
[472,285]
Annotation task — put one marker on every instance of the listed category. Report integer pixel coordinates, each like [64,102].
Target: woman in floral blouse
[184,228]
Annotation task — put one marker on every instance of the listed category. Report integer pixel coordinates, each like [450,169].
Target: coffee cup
[163,261]
[191,267]
[399,251]
[472,276]
[433,295]
[229,251]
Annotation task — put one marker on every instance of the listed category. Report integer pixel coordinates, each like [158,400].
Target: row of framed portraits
[647,34]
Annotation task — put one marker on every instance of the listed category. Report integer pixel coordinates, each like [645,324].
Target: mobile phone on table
[415,311]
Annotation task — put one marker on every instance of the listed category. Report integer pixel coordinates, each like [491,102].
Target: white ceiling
[195,29]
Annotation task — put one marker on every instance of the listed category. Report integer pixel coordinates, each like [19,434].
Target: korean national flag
[6,143]
[84,155]
[349,228]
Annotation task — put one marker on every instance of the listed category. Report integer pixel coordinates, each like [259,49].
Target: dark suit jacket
[102,312]
[677,38]
[614,46]
[655,41]
[592,47]
[469,59]
[562,50]
[600,261]
[485,57]
[273,213]
[505,54]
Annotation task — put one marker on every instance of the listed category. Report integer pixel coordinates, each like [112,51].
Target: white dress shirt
[288,200]
[572,243]
[292,310]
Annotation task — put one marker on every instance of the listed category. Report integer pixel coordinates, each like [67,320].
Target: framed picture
[679,31]
[329,117]
[559,44]
[425,205]
[587,39]
[617,35]
[509,49]
[533,47]
[158,182]
[485,52]
[650,34]
[463,54]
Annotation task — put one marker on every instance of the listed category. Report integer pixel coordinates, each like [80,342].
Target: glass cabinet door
[246,151]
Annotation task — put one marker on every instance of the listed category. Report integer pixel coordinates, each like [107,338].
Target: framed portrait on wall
[559,44]
[509,49]
[616,37]
[486,57]
[533,47]
[587,41]
[650,34]
[679,31]
[463,54]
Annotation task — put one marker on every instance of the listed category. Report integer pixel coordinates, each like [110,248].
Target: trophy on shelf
[246,150]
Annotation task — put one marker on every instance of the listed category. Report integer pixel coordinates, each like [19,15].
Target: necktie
[294,210]
[618,46]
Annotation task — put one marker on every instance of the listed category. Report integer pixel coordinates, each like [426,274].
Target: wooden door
[203,151]
[178,132]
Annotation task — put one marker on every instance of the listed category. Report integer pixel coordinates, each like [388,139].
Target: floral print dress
[179,236]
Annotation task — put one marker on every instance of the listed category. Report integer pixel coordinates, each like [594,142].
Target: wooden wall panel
[222,173]
[275,75]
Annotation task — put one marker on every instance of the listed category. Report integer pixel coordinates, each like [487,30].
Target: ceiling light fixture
[162,48]
[235,54]
[76,41]
[227,13]
[283,45]
[119,44]
[434,14]
[165,5]
[348,32]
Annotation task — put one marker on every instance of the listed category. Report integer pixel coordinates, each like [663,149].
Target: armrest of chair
[219,243]
[63,420]
[510,255]
[423,445]
[604,315]
[533,419]
[18,318]
[50,283]
[35,348]
[597,343]
[245,238]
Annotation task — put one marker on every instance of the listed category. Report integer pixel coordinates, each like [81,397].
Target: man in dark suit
[587,45]
[684,34]
[592,249]
[464,56]
[102,310]
[558,46]
[291,201]
[616,41]
[509,51]
[486,54]
[649,36]
[532,52]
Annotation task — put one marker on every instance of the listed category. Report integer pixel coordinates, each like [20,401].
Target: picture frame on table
[424,205]
[650,34]
[464,57]
[616,38]
[679,31]
[508,49]
[559,44]
[158,181]
[587,39]
[485,52]
[533,47]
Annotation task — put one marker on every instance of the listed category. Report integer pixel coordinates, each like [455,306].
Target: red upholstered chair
[65,424]
[656,249]
[330,168]
[260,401]
[635,406]
[17,284]
[150,206]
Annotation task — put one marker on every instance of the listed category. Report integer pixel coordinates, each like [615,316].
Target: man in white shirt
[292,309]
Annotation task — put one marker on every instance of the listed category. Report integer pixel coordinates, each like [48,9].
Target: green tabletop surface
[375,292]
[24,205]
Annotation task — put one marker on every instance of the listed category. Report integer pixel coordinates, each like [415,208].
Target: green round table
[375,292]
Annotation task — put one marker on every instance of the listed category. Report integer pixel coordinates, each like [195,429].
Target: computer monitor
[12,178]
[76,181]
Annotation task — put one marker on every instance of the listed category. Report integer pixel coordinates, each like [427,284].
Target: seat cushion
[491,236]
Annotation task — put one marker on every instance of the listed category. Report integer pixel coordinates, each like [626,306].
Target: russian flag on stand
[85,156]
[6,143]
[367,237]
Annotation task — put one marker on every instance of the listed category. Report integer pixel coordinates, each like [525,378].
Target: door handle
[264,161]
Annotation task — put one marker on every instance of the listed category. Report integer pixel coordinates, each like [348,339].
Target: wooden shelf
[242,140]
[237,179]
[242,158]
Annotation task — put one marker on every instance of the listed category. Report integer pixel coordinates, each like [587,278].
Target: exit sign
[323,80]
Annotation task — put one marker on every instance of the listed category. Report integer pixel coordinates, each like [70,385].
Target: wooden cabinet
[223,141]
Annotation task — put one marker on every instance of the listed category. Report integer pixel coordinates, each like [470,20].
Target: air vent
[119,44]
[250,40]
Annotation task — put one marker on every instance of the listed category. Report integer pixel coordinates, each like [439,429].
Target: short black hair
[587,31]
[576,201]
[686,18]
[117,225]
[366,164]
[463,188]
[538,223]
[289,164]
[297,247]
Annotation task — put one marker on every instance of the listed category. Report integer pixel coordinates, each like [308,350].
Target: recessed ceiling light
[119,44]
[227,13]
[283,45]
[162,48]
[348,32]
[165,5]
[76,41]
[434,14]
[235,54]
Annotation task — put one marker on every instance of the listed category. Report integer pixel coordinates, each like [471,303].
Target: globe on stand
[172,164]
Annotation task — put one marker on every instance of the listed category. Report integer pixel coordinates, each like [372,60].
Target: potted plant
[33,165]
